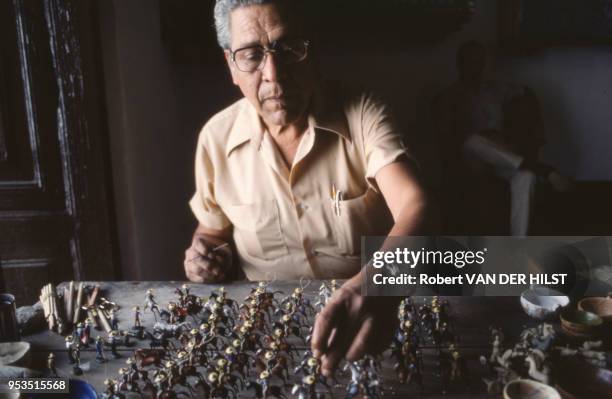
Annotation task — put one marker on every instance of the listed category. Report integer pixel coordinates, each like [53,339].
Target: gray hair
[223,9]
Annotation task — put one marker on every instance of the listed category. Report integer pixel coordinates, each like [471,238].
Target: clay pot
[543,303]
[528,389]
[15,354]
[601,306]
[580,325]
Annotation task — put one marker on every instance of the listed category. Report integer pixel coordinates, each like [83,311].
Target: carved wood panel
[55,213]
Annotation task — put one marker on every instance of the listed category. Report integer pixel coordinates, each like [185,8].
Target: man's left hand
[351,326]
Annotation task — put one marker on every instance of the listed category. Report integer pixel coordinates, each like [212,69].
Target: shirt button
[314,252]
[303,207]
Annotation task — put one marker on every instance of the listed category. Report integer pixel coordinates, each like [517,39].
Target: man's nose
[272,68]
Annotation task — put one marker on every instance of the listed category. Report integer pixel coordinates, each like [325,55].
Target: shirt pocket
[366,215]
[258,229]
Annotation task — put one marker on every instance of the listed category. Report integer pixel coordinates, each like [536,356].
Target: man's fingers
[203,277]
[200,247]
[360,345]
[194,277]
[202,267]
[343,338]
[324,323]
[205,263]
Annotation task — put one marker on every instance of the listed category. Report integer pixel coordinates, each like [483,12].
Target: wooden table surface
[471,318]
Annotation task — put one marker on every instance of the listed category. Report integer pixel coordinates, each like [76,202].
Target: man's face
[279,92]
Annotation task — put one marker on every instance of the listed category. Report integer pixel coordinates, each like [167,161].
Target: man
[491,128]
[295,173]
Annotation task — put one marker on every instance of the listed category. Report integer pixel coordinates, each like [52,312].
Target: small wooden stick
[104,320]
[50,319]
[215,249]
[91,301]
[70,305]
[79,303]
[43,302]
[53,305]
[56,310]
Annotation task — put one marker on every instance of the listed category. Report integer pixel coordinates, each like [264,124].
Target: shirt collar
[247,126]
[325,113]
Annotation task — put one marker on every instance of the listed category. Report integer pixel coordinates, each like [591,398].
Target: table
[472,318]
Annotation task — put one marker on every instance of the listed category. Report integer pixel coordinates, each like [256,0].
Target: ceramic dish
[601,306]
[580,325]
[528,389]
[543,303]
[15,354]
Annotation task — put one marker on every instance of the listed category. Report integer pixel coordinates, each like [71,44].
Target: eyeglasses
[253,58]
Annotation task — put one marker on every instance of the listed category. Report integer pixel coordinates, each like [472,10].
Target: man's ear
[231,66]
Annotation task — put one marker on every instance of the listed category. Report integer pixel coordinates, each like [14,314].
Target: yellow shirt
[284,222]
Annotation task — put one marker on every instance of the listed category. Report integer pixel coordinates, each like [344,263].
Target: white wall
[574,85]
[155,111]
[156,108]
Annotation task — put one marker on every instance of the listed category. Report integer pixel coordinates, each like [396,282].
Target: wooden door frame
[58,45]
[77,60]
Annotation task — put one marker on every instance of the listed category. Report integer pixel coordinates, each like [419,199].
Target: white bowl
[528,389]
[15,354]
[543,303]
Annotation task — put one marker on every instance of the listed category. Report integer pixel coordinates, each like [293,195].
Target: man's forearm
[411,221]
[412,218]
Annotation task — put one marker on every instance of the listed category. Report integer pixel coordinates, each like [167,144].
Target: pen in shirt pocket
[337,196]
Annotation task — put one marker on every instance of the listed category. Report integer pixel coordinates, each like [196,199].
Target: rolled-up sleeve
[383,143]
[203,203]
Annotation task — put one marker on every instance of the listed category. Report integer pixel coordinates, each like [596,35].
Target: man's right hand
[203,264]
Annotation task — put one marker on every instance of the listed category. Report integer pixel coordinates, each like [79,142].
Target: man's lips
[275,98]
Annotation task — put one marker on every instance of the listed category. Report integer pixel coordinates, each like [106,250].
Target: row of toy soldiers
[249,331]
[220,376]
[365,378]
[325,293]
[432,321]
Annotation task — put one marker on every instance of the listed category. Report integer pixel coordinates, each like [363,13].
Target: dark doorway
[56,219]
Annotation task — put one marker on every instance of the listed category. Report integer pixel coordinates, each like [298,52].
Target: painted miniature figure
[114,323]
[76,369]
[137,323]
[100,358]
[113,341]
[51,365]
[68,341]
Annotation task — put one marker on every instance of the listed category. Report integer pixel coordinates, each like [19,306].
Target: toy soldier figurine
[113,319]
[112,340]
[111,390]
[68,342]
[133,370]
[78,331]
[76,369]
[51,365]
[458,369]
[124,383]
[182,295]
[173,312]
[161,383]
[137,324]
[306,388]
[86,333]
[150,303]
[100,358]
